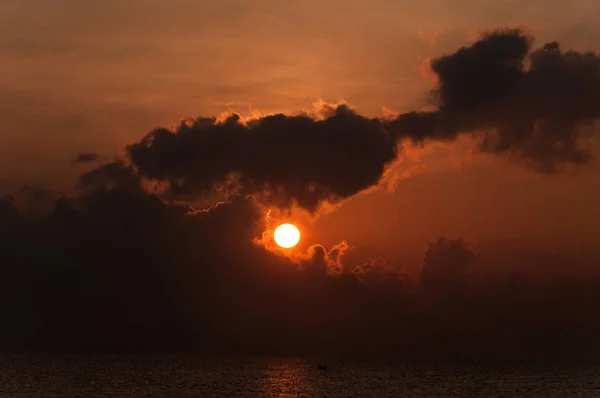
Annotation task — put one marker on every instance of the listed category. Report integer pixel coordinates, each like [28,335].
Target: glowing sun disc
[287,235]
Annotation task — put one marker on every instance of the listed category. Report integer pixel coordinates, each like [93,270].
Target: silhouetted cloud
[118,269]
[533,105]
[109,175]
[379,272]
[318,259]
[445,262]
[35,200]
[286,160]
[86,157]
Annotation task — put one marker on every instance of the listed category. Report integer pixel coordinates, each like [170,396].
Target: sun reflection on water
[287,379]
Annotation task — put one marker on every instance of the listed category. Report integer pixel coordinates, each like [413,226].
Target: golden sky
[94,76]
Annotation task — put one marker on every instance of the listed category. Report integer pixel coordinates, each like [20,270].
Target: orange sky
[95,76]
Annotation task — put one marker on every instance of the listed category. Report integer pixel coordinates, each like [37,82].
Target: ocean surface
[163,376]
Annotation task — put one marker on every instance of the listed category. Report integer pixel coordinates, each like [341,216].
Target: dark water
[151,376]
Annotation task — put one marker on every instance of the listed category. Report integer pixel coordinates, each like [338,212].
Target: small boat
[322,367]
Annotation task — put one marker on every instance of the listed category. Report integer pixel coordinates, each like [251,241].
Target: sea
[169,376]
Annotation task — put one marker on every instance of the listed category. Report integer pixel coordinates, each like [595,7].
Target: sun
[287,235]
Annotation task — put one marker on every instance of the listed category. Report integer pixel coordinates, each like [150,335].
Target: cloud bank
[122,271]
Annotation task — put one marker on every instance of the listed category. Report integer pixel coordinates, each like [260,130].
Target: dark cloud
[286,159]
[534,105]
[325,262]
[34,200]
[109,175]
[118,269]
[379,272]
[446,261]
[86,157]
[9,213]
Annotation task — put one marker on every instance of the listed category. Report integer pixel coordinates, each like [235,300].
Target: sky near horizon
[94,77]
